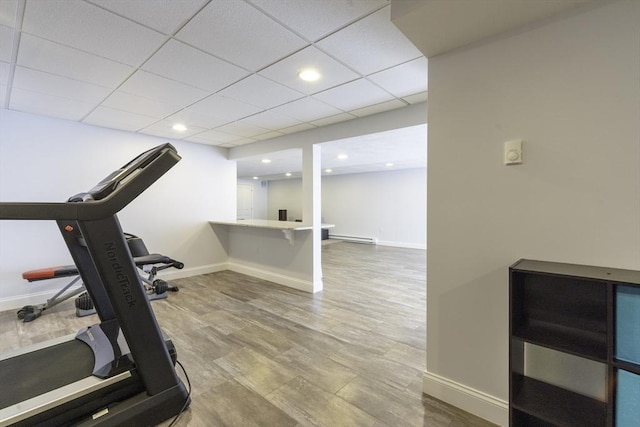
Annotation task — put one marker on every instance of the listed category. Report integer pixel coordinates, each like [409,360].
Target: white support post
[311,207]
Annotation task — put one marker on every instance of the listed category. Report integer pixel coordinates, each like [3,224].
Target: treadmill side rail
[39,404]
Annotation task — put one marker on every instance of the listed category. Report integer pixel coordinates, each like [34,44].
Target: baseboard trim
[18,301]
[291,282]
[403,245]
[174,274]
[466,398]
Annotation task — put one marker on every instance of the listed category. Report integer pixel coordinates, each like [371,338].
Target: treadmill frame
[92,232]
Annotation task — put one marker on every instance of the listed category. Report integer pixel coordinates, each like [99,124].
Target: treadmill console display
[115,178]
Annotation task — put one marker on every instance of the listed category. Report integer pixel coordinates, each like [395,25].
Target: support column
[311,208]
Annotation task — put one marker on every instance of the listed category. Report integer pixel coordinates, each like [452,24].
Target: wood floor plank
[310,405]
[260,354]
[317,368]
[231,404]
[256,371]
[388,404]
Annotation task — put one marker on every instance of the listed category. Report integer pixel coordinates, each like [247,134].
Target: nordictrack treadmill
[120,371]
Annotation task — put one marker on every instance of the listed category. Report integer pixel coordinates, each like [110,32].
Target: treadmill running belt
[32,374]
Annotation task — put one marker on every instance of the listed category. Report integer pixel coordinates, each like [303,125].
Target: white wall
[571,89]
[390,206]
[46,159]
[285,194]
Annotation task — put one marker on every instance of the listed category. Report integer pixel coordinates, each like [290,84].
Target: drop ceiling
[404,148]
[227,70]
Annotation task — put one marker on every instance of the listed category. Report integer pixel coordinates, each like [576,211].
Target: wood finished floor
[259,354]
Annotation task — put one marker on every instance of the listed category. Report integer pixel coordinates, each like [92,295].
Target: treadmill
[122,370]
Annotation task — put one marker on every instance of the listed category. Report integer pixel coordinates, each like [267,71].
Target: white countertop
[265,223]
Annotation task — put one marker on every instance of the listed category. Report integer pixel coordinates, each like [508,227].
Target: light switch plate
[513,152]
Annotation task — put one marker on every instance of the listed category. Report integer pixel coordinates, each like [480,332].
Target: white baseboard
[18,301]
[291,282]
[403,245]
[466,398]
[174,274]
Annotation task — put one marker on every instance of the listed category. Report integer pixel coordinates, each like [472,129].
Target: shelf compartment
[557,406]
[563,313]
[561,369]
[627,323]
[627,399]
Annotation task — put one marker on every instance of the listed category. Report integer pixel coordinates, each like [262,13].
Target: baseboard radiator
[355,239]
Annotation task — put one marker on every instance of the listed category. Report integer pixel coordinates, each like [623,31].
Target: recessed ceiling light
[266,160]
[388,164]
[288,174]
[255,177]
[179,127]
[328,170]
[342,157]
[309,75]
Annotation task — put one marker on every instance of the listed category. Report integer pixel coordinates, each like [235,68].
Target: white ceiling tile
[297,128]
[212,137]
[140,105]
[196,140]
[186,64]
[53,106]
[92,29]
[55,58]
[3,95]
[353,95]
[261,92]
[315,19]
[164,128]
[114,63]
[240,34]
[342,117]
[332,72]
[165,16]
[306,109]
[417,98]
[405,147]
[152,86]
[49,84]
[6,43]
[405,79]
[189,117]
[281,162]
[242,129]
[268,135]
[117,119]
[270,120]
[378,108]
[8,9]
[5,68]
[371,44]
[224,108]
[242,141]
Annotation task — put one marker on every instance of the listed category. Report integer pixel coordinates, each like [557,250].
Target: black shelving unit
[572,309]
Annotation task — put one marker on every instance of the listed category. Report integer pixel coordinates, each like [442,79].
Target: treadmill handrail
[127,187]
